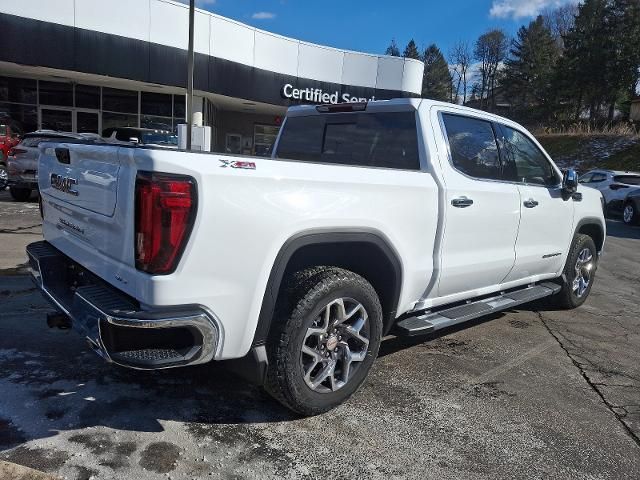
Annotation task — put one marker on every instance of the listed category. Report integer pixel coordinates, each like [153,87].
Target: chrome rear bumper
[113,323]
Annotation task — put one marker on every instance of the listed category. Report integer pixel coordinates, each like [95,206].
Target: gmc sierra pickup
[403,216]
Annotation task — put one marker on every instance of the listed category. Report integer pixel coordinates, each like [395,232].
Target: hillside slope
[584,152]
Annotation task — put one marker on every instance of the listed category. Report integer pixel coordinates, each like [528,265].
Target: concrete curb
[11,471]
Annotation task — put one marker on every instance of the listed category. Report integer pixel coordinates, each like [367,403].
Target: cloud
[517,9]
[263,16]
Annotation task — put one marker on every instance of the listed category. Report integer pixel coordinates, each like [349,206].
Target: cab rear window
[386,140]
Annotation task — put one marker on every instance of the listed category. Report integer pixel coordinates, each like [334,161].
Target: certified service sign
[317,95]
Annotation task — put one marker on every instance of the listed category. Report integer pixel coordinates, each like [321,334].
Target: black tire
[299,308]
[20,194]
[631,218]
[4,181]
[569,297]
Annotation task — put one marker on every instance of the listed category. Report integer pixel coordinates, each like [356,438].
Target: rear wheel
[4,178]
[327,332]
[579,272]
[630,214]
[20,194]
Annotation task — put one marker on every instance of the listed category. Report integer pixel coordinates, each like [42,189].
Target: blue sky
[370,25]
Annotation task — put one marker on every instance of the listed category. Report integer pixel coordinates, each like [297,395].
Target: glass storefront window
[56,93]
[110,120]
[19,90]
[157,123]
[87,96]
[21,118]
[116,100]
[157,104]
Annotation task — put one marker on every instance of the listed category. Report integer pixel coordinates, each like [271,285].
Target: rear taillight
[16,151]
[165,212]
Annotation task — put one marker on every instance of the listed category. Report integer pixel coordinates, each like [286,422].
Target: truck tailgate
[84,190]
[89,181]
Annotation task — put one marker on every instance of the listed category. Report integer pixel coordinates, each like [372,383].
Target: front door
[482,212]
[546,224]
[69,120]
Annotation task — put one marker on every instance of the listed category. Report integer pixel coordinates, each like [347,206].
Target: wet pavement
[531,393]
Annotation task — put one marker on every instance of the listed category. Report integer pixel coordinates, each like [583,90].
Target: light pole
[190,61]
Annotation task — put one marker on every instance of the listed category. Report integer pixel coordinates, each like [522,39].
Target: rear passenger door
[546,223]
[481,212]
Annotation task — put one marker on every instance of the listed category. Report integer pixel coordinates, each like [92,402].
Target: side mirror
[134,140]
[570,182]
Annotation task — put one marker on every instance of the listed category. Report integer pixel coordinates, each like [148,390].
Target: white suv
[615,185]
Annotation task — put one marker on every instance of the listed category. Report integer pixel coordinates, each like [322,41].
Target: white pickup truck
[403,216]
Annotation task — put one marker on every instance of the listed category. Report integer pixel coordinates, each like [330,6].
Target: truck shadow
[51,382]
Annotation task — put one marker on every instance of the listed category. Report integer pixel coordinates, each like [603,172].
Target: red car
[8,139]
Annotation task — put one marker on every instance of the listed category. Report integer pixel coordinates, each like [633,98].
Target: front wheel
[629,214]
[579,273]
[326,335]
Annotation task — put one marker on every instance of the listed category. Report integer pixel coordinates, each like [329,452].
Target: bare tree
[560,20]
[490,50]
[460,59]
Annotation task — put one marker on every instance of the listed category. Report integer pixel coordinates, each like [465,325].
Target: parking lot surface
[531,393]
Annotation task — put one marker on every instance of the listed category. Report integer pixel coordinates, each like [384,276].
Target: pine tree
[411,51]
[392,50]
[436,83]
[530,68]
[624,74]
[582,71]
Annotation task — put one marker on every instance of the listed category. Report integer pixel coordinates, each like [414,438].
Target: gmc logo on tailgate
[64,184]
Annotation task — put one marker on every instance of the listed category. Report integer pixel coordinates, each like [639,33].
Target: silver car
[22,162]
[614,185]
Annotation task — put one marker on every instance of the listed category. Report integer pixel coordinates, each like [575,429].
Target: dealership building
[87,65]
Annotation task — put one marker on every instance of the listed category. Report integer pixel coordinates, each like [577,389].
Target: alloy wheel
[335,345]
[628,213]
[4,178]
[584,269]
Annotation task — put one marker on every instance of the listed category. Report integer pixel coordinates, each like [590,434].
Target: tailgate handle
[63,156]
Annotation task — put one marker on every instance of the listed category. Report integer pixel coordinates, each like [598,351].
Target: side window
[627,179]
[524,161]
[598,177]
[126,135]
[474,150]
[586,178]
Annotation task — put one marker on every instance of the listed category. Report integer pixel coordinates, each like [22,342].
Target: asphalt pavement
[530,393]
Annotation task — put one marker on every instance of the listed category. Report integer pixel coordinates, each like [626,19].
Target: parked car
[22,163]
[143,136]
[631,208]
[406,215]
[9,138]
[614,185]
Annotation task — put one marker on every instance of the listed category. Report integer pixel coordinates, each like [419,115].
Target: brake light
[165,212]
[342,107]
[16,151]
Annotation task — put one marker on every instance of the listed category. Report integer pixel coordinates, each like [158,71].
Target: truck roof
[395,104]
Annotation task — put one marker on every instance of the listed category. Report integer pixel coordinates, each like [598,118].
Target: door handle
[530,203]
[462,202]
